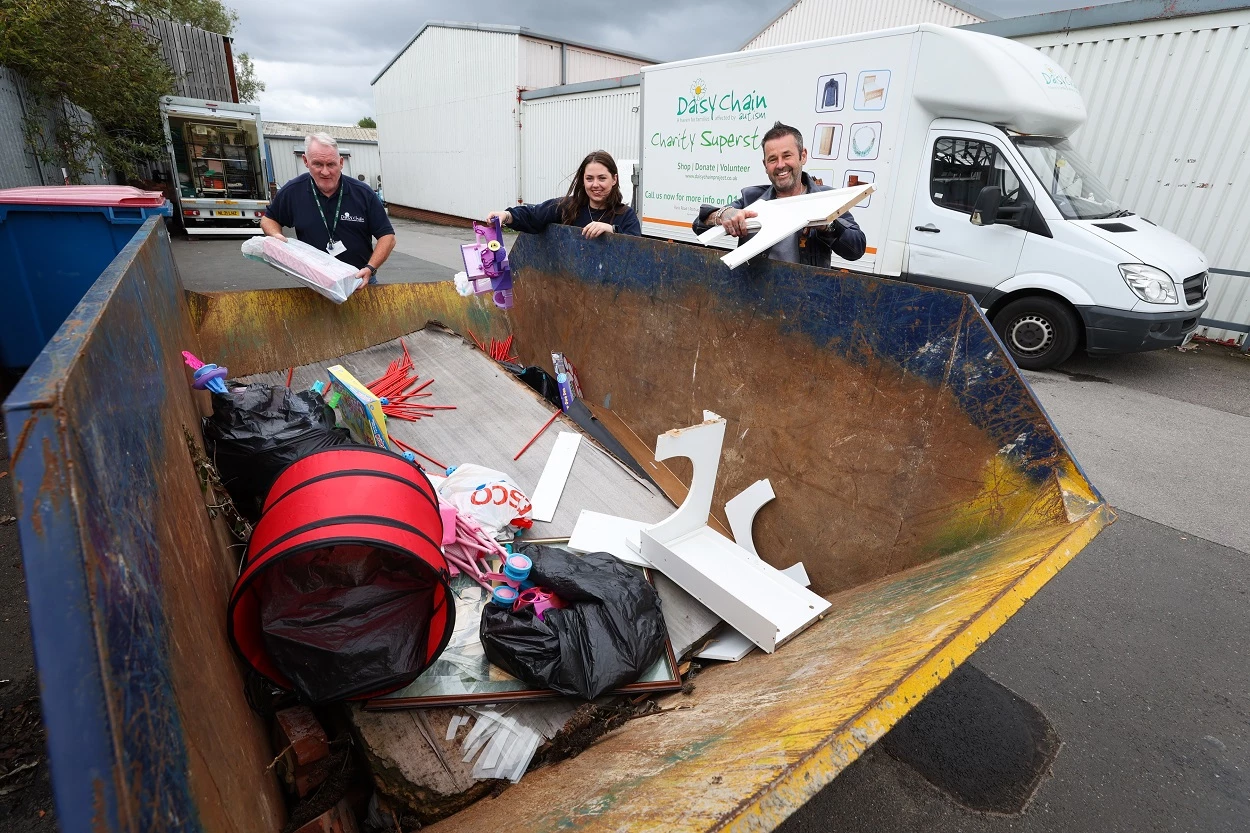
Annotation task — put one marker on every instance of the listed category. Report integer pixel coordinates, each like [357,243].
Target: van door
[944,248]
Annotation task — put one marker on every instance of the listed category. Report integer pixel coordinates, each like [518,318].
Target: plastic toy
[206,376]
[517,591]
[486,267]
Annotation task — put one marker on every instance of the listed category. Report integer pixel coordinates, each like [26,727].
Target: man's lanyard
[321,211]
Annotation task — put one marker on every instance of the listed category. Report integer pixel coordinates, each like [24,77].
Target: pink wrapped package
[318,270]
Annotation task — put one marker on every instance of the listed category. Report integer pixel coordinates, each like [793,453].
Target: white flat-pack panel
[546,495]
[597,532]
[758,601]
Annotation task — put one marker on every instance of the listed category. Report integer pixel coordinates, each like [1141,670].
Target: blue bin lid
[112,196]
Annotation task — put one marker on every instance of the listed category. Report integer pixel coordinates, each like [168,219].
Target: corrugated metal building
[284,144]
[448,108]
[560,125]
[1167,87]
[815,19]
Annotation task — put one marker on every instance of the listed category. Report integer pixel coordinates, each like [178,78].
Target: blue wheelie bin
[54,242]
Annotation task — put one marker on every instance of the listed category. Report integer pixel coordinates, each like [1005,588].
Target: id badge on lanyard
[334,247]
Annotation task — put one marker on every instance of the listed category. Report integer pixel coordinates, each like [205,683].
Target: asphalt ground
[1128,671]
[214,264]
[1137,652]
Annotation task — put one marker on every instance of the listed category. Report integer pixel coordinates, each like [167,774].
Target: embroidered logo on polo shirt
[352,218]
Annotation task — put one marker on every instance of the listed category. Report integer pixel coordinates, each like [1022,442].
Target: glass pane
[1068,178]
[961,168]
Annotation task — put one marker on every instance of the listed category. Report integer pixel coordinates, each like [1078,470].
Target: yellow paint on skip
[764,735]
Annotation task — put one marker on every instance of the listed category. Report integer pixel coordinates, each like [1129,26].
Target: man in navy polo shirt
[340,215]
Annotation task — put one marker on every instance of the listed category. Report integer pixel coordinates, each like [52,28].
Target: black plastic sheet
[256,432]
[609,634]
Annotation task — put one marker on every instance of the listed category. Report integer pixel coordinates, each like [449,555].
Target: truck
[916,477]
[978,186]
[217,158]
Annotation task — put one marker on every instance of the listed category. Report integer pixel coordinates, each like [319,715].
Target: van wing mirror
[985,209]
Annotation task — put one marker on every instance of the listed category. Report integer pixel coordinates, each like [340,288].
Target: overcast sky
[317,57]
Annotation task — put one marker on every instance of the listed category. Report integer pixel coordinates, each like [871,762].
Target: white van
[977,187]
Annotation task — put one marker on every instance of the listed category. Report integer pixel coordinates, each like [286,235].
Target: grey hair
[780,131]
[321,139]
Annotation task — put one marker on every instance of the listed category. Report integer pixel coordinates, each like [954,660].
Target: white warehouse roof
[508,30]
[341,132]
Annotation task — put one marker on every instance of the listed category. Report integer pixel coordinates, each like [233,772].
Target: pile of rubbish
[377,576]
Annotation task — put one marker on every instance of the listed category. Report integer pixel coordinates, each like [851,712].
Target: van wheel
[1039,332]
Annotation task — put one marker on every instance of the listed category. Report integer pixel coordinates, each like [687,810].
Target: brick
[298,728]
[338,819]
[305,779]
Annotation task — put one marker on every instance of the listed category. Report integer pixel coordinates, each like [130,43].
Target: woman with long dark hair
[593,203]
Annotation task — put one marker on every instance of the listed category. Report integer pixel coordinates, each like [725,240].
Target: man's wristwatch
[373,270]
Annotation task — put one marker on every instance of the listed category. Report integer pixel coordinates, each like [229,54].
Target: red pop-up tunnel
[344,591]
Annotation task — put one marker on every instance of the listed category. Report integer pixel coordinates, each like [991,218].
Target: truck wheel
[1039,332]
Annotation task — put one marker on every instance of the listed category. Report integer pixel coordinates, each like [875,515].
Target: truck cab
[1022,223]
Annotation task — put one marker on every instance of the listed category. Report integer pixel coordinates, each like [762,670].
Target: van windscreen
[1072,184]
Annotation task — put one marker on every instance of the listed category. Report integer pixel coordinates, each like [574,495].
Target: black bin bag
[256,432]
[608,635]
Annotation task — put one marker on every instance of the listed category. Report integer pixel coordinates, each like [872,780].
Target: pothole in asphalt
[978,742]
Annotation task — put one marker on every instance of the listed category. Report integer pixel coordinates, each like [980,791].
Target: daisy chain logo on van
[1052,77]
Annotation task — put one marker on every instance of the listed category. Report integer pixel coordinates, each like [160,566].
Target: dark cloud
[317,57]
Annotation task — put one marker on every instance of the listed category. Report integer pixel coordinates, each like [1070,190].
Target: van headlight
[1154,286]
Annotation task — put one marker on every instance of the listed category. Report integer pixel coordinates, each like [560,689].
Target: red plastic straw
[289,374]
[403,445]
[537,435]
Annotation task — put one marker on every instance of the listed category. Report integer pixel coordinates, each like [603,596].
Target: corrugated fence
[19,164]
[200,60]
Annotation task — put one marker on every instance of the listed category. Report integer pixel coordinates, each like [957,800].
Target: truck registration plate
[224,212]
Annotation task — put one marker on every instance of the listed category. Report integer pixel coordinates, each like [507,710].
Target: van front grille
[1196,288]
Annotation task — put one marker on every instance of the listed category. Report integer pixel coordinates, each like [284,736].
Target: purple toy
[206,376]
[486,264]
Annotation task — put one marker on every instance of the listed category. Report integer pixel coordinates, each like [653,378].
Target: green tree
[205,14]
[89,53]
[245,78]
[367,121]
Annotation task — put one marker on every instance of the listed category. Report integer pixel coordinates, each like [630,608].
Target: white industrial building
[450,122]
[1165,85]
[284,144]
